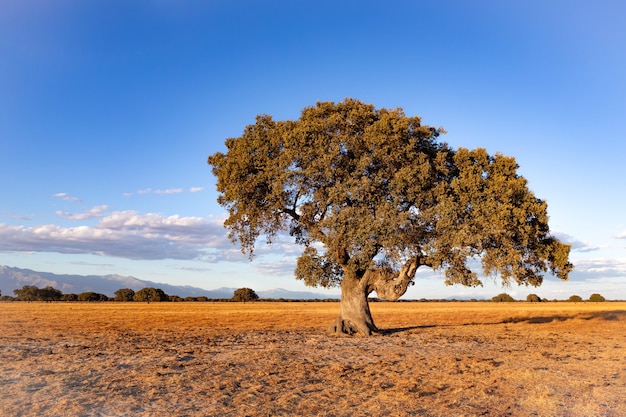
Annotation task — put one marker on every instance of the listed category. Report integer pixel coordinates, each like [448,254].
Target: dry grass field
[274,359]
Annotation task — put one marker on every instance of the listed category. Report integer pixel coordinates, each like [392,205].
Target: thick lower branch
[392,285]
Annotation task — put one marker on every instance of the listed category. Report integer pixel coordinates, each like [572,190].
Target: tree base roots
[343,327]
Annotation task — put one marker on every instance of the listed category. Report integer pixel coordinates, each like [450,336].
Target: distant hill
[14,278]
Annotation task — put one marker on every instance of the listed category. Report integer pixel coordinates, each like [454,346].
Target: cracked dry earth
[273,359]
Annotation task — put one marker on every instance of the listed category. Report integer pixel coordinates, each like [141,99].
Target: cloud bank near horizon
[124,234]
[129,234]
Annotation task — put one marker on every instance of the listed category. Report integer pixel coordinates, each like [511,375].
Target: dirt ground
[274,359]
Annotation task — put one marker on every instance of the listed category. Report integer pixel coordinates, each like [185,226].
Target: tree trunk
[355,317]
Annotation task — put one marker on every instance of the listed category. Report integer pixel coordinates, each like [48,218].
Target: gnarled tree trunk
[355,317]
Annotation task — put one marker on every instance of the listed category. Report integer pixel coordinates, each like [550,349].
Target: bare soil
[274,359]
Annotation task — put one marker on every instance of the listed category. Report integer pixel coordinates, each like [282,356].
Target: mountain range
[15,278]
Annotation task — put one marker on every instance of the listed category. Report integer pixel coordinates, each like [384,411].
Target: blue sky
[109,109]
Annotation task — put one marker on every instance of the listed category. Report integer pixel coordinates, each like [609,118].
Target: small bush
[91,296]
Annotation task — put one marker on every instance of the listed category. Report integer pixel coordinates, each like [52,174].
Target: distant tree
[596,298]
[33,293]
[92,296]
[175,298]
[27,293]
[190,299]
[372,195]
[533,298]
[124,294]
[69,297]
[50,294]
[6,298]
[245,295]
[504,297]
[150,294]
[575,299]
[202,298]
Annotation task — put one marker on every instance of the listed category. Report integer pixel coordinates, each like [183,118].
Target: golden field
[274,359]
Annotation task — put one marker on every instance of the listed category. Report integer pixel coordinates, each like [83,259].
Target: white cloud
[21,217]
[67,197]
[621,235]
[599,268]
[125,234]
[169,191]
[93,213]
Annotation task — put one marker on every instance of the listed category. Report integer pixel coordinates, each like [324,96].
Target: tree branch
[392,285]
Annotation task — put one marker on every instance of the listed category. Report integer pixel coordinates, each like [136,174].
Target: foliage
[533,298]
[504,297]
[50,294]
[91,296]
[245,295]
[27,293]
[575,299]
[373,188]
[124,294]
[597,298]
[33,293]
[150,294]
[69,297]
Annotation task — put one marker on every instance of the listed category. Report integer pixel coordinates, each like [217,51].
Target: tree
[124,294]
[372,196]
[33,293]
[596,298]
[149,294]
[245,295]
[92,296]
[50,294]
[27,293]
[503,298]
[575,299]
[533,298]
[69,297]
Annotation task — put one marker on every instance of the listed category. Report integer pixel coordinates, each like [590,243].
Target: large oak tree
[372,195]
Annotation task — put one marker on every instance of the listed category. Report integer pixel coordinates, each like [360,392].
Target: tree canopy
[149,294]
[372,195]
[245,295]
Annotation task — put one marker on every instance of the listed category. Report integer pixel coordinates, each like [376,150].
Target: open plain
[274,359]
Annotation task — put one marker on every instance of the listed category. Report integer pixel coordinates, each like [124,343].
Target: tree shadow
[387,332]
[611,315]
